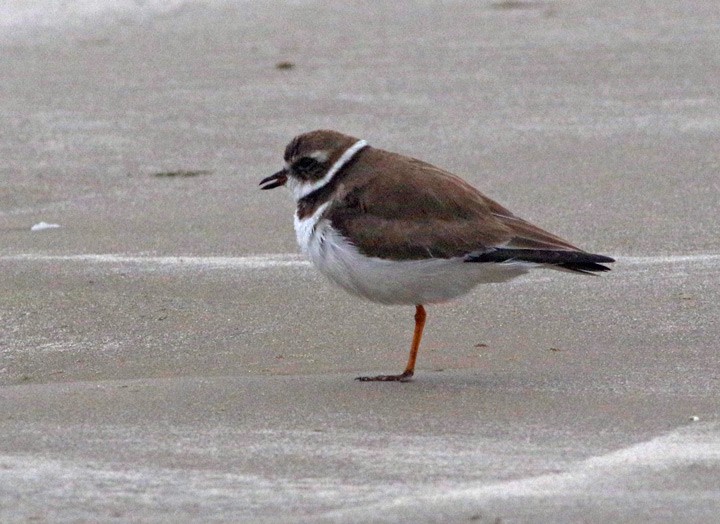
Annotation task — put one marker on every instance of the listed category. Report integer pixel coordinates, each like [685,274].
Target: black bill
[273,181]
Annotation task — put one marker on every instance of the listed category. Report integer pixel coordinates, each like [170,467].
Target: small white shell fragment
[43,225]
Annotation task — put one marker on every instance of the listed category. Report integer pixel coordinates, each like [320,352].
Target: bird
[397,230]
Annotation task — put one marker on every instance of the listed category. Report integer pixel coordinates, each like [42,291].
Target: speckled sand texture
[166,356]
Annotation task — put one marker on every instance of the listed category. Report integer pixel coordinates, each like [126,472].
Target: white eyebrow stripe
[305,189]
[320,156]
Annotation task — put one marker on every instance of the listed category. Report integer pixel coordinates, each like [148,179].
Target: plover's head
[311,161]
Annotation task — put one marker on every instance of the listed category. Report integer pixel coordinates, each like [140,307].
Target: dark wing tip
[571,260]
[584,267]
[603,259]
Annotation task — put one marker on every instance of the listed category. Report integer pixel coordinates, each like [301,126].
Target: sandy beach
[166,355]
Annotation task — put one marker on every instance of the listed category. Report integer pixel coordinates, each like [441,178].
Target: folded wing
[424,212]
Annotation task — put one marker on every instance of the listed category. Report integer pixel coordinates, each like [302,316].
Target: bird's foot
[402,377]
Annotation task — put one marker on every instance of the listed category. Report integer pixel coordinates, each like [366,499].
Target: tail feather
[578,261]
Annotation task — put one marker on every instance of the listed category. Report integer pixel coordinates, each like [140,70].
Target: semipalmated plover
[397,230]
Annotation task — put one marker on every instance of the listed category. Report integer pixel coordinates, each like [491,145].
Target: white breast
[306,231]
[393,282]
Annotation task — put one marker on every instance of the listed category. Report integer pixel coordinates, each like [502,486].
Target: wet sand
[165,354]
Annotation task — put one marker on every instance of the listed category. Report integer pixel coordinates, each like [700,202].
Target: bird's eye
[305,165]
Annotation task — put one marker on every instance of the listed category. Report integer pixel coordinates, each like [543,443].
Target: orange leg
[406,375]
